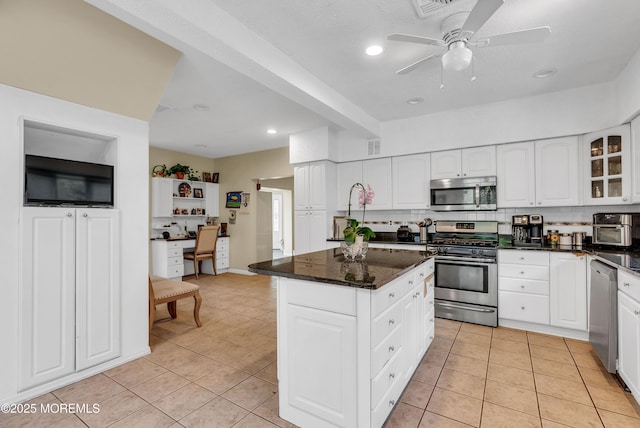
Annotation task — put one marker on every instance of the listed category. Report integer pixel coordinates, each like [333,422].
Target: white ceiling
[298,64]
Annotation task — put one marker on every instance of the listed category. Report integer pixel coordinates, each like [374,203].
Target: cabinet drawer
[222,254]
[175,271]
[629,284]
[386,296]
[540,273]
[222,263]
[524,257]
[523,307]
[222,244]
[174,252]
[383,382]
[384,323]
[530,286]
[385,350]
[387,403]
[174,244]
[171,261]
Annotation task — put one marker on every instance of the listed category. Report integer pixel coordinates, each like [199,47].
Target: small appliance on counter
[526,230]
[616,230]
[404,234]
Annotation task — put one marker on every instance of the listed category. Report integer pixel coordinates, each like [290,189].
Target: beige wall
[170,158]
[70,50]
[239,173]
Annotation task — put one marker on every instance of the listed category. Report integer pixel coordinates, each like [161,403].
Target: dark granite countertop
[380,267]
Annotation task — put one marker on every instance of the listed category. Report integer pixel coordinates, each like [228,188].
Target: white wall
[132,196]
[570,112]
[628,90]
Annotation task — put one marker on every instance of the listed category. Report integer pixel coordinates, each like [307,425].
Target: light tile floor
[224,375]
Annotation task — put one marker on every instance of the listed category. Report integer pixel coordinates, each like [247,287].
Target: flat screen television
[57,182]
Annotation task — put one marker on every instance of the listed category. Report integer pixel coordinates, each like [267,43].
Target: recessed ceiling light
[201,107]
[271,131]
[543,74]
[415,100]
[374,50]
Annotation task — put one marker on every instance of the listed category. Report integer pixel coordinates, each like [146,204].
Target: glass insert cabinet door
[608,177]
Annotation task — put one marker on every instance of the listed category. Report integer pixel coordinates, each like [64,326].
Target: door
[264,238]
[411,175]
[479,161]
[377,174]
[162,197]
[317,189]
[568,291]
[301,187]
[276,211]
[516,175]
[47,300]
[557,172]
[97,286]
[629,342]
[348,173]
[446,164]
[321,364]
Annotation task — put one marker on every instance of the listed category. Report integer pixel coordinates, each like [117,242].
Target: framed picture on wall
[215,177]
[234,200]
[197,192]
[206,177]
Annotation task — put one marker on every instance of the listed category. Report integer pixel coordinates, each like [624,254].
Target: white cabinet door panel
[557,172]
[377,174]
[447,164]
[317,189]
[322,364]
[411,175]
[479,161]
[212,202]
[161,197]
[516,175]
[301,187]
[97,287]
[47,300]
[629,342]
[349,173]
[568,291]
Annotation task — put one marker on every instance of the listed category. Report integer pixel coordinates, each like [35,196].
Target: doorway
[280,215]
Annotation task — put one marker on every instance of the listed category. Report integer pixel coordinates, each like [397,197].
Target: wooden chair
[205,248]
[163,290]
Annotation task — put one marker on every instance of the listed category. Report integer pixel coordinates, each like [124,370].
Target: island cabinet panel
[345,354]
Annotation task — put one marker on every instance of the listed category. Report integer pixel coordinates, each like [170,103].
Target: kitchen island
[350,334]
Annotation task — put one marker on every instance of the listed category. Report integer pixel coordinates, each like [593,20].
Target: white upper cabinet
[635,167]
[310,186]
[473,162]
[212,203]
[161,197]
[607,166]
[516,175]
[375,173]
[411,176]
[557,172]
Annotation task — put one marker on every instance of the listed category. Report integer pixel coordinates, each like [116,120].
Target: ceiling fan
[459,30]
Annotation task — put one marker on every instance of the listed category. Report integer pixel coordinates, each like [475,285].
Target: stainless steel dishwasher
[603,313]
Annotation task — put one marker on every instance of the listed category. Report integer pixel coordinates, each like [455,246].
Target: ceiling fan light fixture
[374,50]
[458,57]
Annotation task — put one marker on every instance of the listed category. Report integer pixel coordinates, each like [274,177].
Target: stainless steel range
[466,272]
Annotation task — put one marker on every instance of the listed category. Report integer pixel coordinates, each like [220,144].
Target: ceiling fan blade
[415,65]
[415,39]
[532,35]
[480,14]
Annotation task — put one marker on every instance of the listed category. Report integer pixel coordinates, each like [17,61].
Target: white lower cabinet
[568,290]
[70,298]
[629,331]
[167,258]
[344,354]
[523,286]
[311,231]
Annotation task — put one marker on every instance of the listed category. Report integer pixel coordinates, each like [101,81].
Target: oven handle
[466,308]
[467,260]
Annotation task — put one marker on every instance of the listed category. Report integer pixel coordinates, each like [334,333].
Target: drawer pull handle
[521,258]
[637,312]
[392,402]
[522,308]
[85,215]
[626,284]
[391,295]
[430,319]
[391,348]
[410,282]
[391,322]
[392,375]
[521,272]
[69,215]
[522,286]
[421,275]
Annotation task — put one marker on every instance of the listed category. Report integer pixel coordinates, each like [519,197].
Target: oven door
[611,235]
[466,280]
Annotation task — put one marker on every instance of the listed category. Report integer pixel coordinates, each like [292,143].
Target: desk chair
[205,248]
[169,291]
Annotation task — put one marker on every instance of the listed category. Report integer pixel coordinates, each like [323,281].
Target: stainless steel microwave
[464,194]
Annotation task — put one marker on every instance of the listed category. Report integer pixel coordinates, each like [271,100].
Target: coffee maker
[526,230]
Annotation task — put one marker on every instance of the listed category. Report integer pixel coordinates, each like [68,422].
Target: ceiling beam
[201,27]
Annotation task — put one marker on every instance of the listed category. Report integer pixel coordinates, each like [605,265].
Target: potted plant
[179,170]
[355,236]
